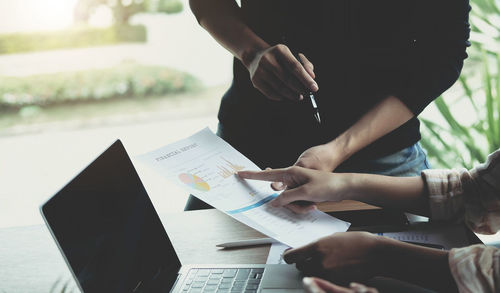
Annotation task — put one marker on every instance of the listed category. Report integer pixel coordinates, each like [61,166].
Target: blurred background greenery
[469,125]
[127,80]
[113,50]
[83,35]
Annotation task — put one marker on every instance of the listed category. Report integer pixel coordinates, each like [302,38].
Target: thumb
[317,285]
[289,196]
[300,253]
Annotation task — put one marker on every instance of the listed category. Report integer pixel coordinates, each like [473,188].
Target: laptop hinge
[175,283]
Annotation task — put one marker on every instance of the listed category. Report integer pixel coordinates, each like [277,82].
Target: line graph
[228,169]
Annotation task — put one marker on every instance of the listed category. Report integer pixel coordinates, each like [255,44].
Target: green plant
[471,123]
[170,6]
[124,10]
[71,38]
[123,81]
[461,143]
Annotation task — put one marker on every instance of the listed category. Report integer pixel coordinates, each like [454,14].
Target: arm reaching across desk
[441,194]
[358,256]
[448,195]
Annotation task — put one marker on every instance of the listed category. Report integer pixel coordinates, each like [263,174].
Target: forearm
[403,193]
[419,265]
[386,116]
[221,18]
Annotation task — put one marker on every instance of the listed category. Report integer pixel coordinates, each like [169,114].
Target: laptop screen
[109,231]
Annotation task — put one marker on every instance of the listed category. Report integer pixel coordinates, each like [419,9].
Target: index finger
[267,175]
[298,70]
[300,254]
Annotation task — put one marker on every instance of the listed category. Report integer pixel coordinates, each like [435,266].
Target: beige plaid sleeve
[475,268]
[472,196]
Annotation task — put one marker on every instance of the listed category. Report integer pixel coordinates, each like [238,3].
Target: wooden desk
[345,206]
[31,262]
[205,229]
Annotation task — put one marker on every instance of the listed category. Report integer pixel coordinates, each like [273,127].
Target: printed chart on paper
[205,166]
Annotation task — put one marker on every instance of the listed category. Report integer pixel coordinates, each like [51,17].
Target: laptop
[112,239]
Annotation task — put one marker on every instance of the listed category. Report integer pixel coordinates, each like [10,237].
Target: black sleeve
[438,51]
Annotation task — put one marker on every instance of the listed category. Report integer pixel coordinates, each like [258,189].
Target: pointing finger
[276,175]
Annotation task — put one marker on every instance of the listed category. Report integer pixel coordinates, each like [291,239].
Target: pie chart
[194,181]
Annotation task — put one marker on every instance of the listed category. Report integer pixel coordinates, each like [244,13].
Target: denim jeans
[407,162]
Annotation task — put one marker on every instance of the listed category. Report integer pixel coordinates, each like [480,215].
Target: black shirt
[363,51]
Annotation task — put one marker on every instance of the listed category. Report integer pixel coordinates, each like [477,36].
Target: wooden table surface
[195,234]
[345,206]
[31,262]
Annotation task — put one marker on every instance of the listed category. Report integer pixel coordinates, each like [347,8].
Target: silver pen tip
[318,119]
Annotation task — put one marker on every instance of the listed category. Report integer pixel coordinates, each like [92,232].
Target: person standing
[372,65]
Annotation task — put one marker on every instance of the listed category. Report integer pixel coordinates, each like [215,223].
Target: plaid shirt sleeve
[472,196]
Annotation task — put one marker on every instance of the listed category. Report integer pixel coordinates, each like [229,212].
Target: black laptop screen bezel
[128,251]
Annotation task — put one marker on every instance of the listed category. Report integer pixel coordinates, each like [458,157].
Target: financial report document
[206,166]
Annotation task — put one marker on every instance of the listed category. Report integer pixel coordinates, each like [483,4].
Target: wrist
[248,54]
[384,250]
[341,148]
[349,187]
[401,260]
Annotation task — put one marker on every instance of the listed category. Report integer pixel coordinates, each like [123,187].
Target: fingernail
[279,185]
[307,281]
[357,287]
[310,285]
[301,97]
[314,87]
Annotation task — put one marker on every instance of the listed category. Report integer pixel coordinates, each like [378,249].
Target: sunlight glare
[35,15]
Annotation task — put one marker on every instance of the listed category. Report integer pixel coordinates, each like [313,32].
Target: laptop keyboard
[223,280]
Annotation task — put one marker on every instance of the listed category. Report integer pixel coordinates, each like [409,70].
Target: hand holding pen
[280,76]
[310,94]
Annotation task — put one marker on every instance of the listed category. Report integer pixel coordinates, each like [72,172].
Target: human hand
[340,257]
[302,184]
[324,157]
[279,75]
[316,285]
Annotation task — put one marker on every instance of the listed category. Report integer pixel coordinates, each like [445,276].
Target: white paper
[205,165]
[447,236]
[275,255]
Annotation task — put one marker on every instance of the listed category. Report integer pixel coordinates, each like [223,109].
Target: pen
[248,242]
[312,99]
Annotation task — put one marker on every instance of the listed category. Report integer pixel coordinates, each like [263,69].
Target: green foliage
[467,136]
[127,80]
[72,38]
[170,6]
[124,10]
